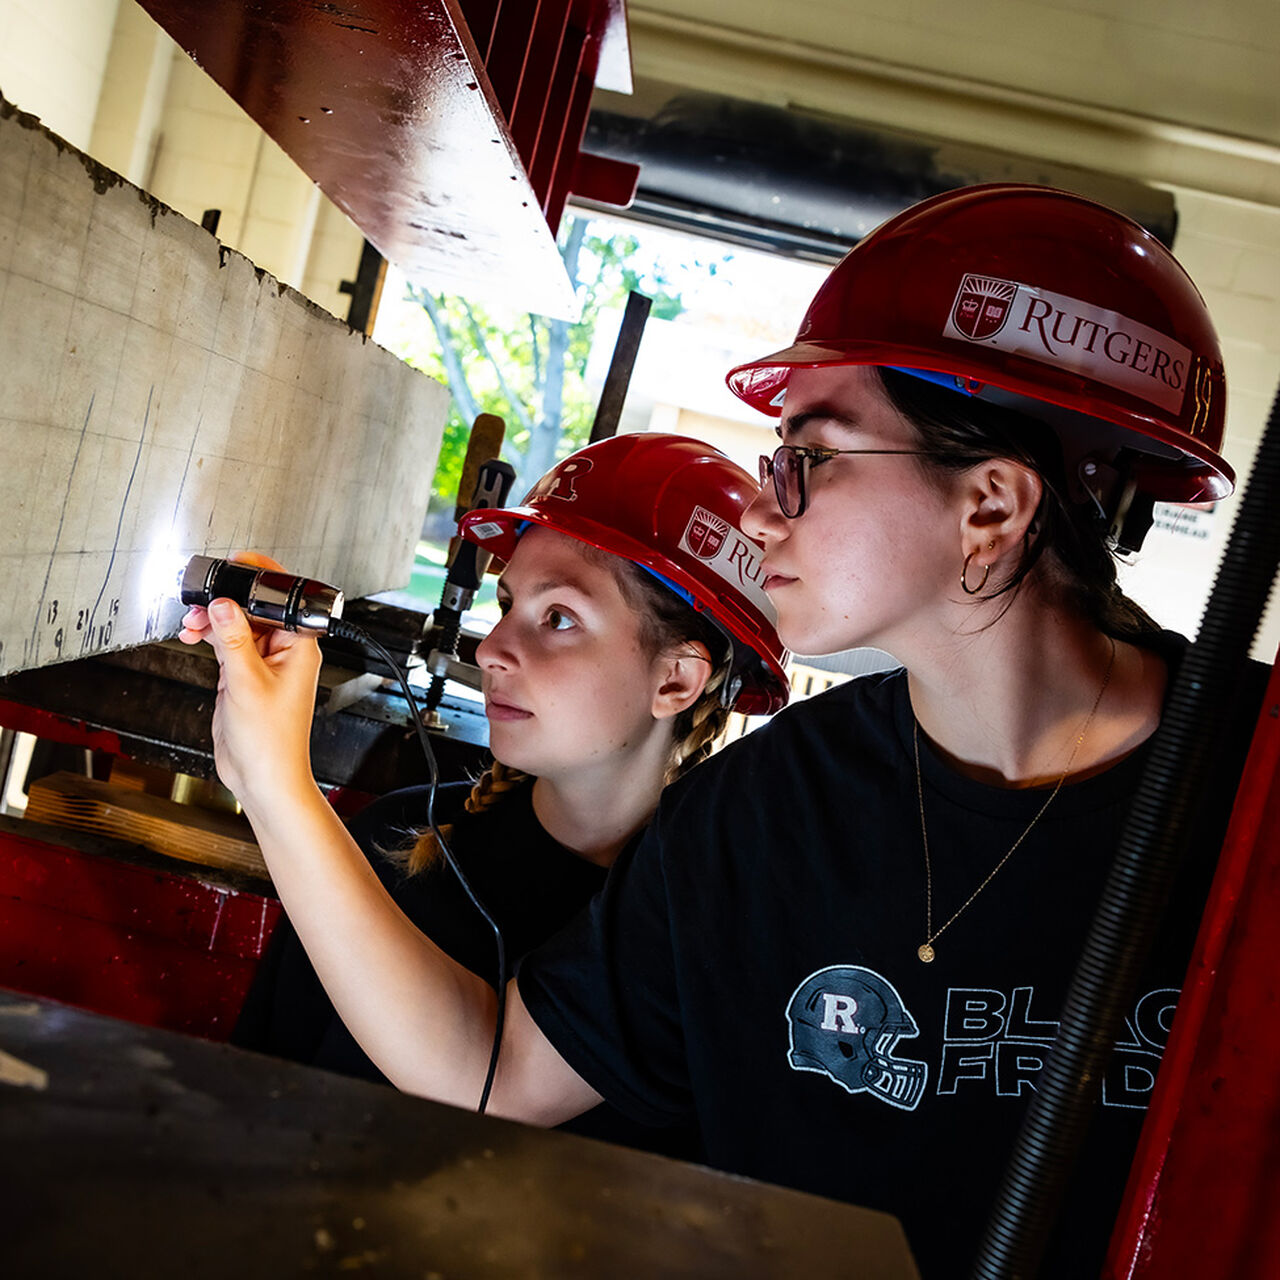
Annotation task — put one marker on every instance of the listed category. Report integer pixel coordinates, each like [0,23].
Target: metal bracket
[449,667]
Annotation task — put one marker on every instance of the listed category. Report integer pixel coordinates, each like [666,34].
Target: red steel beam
[385,104]
[534,103]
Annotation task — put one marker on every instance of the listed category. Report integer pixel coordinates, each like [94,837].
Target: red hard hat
[673,505]
[1041,300]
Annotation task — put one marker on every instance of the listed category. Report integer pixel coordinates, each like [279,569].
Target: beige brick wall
[211,155]
[127,126]
[53,54]
[1232,250]
[336,245]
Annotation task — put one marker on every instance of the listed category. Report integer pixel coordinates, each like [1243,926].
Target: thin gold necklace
[925,950]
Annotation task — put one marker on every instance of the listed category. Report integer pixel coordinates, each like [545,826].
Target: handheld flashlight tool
[267,596]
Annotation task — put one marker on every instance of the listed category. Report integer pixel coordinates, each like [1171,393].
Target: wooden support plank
[202,836]
[161,397]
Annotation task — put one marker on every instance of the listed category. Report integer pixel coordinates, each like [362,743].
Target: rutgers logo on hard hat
[1091,313]
[565,475]
[982,306]
[706,534]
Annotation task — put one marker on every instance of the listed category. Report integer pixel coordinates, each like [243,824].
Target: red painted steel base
[164,948]
[1204,1194]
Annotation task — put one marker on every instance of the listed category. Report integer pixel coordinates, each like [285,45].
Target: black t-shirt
[531,885]
[754,963]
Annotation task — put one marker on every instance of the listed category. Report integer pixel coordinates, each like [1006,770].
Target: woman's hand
[367,953]
[195,622]
[266,699]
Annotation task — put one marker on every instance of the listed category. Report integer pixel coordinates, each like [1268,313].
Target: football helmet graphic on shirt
[846,1022]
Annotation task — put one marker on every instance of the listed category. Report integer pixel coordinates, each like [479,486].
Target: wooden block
[132,775]
[181,831]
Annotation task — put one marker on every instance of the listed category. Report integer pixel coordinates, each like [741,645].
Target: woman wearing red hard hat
[983,401]
[671,506]
[632,623]
[844,943]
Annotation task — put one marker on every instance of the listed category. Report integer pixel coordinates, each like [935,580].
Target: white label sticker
[729,553]
[1071,334]
[483,532]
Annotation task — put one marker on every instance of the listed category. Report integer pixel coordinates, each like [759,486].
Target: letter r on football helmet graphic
[845,1023]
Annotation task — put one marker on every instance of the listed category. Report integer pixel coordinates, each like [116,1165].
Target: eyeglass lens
[786,469]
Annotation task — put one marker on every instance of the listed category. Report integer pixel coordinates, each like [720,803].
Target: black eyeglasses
[789,469]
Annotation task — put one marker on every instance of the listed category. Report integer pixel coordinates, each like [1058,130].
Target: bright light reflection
[162,575]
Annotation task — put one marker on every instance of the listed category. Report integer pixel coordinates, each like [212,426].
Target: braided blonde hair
[494,783]
[666,622]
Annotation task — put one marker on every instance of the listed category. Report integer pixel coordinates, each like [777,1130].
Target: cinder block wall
[53,55]
[166,125]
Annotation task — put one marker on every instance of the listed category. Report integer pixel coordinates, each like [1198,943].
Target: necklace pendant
[925,952]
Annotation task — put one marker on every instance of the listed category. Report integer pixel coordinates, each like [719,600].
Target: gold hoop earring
[964,573]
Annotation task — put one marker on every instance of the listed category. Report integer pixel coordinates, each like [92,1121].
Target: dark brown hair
[1066,538]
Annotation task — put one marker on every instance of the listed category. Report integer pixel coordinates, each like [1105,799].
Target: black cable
[349,631]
